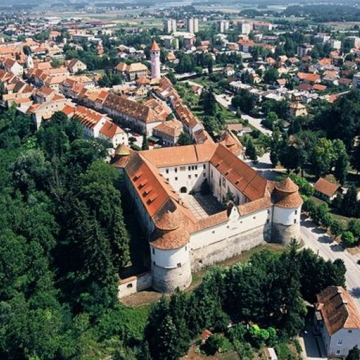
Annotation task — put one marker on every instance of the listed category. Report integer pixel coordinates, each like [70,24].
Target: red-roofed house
[338,320]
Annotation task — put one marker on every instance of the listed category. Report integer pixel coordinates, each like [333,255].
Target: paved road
[321,243]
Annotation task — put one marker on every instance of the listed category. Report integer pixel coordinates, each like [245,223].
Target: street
[321,243]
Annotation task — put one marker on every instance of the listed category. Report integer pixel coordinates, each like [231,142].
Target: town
[180,181]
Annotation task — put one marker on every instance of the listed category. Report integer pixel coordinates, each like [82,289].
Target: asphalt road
[321,243]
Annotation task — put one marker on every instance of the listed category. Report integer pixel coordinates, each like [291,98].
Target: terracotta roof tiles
[338,309]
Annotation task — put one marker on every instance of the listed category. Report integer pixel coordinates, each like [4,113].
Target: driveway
[322,244]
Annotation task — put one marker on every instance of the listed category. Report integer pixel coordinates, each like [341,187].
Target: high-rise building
[155,60]
[223,25]
[245,27]
[169,26]
[192,25]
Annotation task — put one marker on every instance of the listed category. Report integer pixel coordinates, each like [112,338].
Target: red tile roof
[326,187]
[338,309]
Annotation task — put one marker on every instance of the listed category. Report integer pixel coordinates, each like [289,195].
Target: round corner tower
[287,210]
[155,60]
[170,254]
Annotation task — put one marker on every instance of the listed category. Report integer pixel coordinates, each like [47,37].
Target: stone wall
[229,247]
[282,234]
[167,280]
[134,284]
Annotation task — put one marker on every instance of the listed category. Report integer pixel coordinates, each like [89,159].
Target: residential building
[97,125]
[296,109]
[245,27]
[192,25]
[135,115]
[132,71]
[223,26]
[338,320]
[356,81]
[169,26]
[262,26]
[168,132]
[353,41]
[335,44]
[76,65]
[326,190]
[13,66]
[304,50]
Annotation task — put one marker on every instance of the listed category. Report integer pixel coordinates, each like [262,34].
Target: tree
[354,227]
[250,150]
[145,143]
[348,239]
[349,204]
[271,75]
[323,157]
[184,139]
[354,354]
[213,344]
[336,228]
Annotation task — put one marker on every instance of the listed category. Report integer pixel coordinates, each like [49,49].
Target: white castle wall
[220,186]
[134,284]
[189,176]
[235,226]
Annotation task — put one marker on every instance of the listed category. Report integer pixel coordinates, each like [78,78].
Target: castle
[164,186]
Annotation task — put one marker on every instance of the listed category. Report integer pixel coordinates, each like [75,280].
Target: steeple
[155,60]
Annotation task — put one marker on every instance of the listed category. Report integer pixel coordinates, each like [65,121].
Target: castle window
[129,286]
[268,211]
[294,221]
[179,265]
[195,167]
[213,231]
[175,169]
[349,331]
[254,217]
[204,166]
[153,251]
[339,342]
[296,212]
[196,175]
[204,174]
[176,179]
[189,168]
[267,221]
[167,171]
[189,176]
[154,263]
[185,248]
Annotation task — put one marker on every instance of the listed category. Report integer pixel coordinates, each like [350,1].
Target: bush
[213,344]
[348,239]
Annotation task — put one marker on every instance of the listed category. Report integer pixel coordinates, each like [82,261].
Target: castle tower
[287,210]
[170,251]
[29,62]
[155,60]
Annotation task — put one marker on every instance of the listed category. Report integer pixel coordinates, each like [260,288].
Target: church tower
[29,62]
[155,60]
